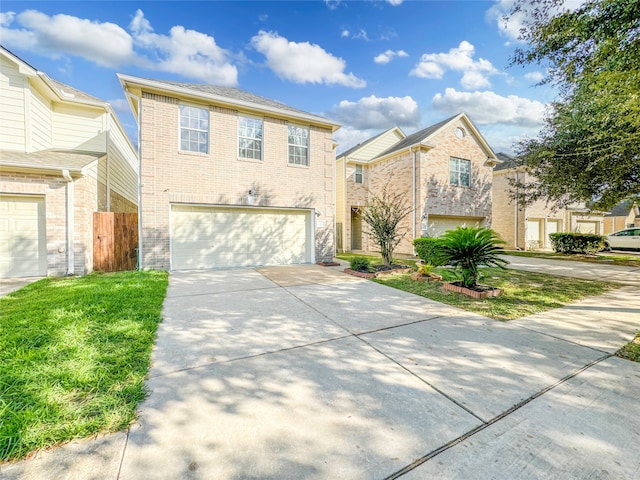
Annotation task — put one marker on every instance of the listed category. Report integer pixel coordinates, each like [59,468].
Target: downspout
[414,198]
[516,239]
[139,100]
[70,222]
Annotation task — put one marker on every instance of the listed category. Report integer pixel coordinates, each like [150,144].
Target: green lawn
[525,293]
[74,354]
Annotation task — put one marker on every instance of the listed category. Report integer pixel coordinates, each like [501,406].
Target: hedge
[587,243]
[426,248]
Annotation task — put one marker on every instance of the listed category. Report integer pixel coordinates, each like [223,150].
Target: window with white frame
[359,176]
[194,129]
[459,172]
[298,145]
[250,138]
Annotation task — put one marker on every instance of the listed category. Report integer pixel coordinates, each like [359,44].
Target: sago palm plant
[469,248]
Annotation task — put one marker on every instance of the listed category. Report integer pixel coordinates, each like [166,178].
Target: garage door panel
[22,237]
[225,237]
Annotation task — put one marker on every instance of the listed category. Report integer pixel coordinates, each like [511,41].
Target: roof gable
[422,137]
[372,147]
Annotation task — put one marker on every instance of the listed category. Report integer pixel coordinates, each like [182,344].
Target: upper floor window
[459,172]
[194,129]
[298,145]
[359,176]
[250,138]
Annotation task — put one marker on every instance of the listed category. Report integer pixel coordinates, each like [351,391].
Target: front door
[356,230]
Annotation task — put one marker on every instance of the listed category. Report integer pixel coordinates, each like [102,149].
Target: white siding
[78,128]
[12,99]
[123,166]
[40,118]
[376,147]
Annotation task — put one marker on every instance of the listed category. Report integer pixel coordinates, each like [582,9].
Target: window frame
[355,174]
[459,172]
[295,145]
[254,139]
[191,129]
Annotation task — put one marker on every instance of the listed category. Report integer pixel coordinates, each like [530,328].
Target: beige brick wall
[53,189]
[221,178]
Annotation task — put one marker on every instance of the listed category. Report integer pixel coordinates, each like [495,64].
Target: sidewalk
[588,271]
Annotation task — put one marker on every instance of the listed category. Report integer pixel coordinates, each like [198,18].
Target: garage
[23,250]
[204,237]
[585,226]
[437,225]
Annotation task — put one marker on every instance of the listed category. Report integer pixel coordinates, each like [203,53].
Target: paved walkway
[304,372]
[589,271]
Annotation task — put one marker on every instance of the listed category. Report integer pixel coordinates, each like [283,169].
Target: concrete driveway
[305,372]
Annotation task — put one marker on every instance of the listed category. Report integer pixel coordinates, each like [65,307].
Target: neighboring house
[624,215]
[444,170]
[529,227]
[63,156]
[231,179]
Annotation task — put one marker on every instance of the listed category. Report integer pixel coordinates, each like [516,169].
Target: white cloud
[332,4]
[460,59]
[534,76]
[345,33]
[185,52]
[510,24]
[120,105]
[303,62]
[105,44]
[487,108]
[348,137]
[387,56]
[377,113]
[395,3]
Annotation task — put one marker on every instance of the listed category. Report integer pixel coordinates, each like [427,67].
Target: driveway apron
[304,372]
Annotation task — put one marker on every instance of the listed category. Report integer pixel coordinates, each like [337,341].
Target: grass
[631,351]
[74,354]
[624,260]
[525,293]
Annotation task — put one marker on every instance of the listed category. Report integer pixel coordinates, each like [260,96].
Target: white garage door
[438,225]
[23,250]
[212,237]
[584,226]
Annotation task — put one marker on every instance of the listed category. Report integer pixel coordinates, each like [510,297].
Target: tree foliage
[589,148]
[383,214]
[468,249]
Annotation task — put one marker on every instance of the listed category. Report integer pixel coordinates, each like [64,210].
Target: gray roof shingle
[51,159]
[416,137]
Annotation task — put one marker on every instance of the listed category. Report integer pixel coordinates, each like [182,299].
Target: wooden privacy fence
[115,241]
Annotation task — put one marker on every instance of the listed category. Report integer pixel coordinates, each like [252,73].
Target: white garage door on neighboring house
[585,226]
[23,250]
[437,225]
[212,237]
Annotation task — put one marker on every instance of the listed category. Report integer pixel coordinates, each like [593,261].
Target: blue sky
[368,64]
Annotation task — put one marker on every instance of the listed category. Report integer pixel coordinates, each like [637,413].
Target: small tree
[383,214]
[469,248]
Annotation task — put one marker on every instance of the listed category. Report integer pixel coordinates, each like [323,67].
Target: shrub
[588,243]
[427,249]
[469,248]
[360,264]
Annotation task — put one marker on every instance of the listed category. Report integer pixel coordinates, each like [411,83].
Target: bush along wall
[587,243]
[426,249]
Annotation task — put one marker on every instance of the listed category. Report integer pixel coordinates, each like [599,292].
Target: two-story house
[230,179]
[63,156]
[445,172]
[527,227]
